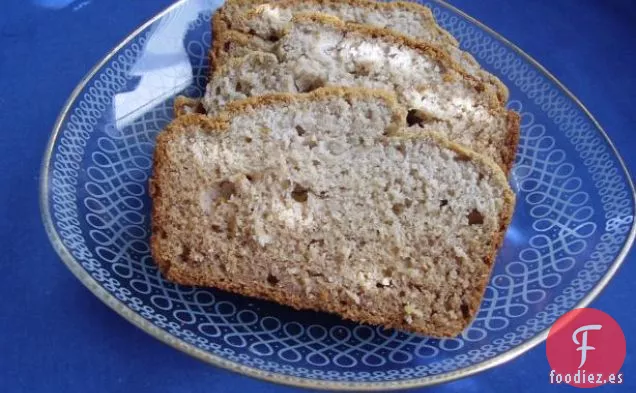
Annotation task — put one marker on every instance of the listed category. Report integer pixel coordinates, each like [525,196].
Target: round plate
[573,224]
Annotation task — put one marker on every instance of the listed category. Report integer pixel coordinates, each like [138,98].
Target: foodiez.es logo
[586,348]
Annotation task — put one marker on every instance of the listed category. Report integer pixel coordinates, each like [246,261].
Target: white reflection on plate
[163,68]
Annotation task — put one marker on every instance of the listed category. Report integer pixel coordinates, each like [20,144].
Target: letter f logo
[584,347]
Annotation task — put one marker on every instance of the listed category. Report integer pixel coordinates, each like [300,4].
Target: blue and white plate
[573,225]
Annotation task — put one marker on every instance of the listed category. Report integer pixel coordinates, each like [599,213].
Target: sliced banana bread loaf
[323,51]
[317,201]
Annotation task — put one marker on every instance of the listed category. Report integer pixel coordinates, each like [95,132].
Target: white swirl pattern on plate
[112,203]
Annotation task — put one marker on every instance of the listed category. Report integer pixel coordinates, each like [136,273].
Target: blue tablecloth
[57,337]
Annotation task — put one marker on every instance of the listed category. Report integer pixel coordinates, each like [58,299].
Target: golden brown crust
[218,27]
[181,275]
[183,105]
[509,150]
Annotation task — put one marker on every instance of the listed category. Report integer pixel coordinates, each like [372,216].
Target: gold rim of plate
[207,357]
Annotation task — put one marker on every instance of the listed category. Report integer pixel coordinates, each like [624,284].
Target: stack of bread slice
[347,157]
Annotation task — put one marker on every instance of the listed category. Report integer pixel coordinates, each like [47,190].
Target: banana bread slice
[321,51]
[406,17]
[318,201]
[266,21]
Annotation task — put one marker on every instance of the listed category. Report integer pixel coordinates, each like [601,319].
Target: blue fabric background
[57,337]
